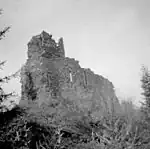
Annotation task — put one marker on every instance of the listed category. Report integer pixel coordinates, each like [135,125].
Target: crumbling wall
[48,74]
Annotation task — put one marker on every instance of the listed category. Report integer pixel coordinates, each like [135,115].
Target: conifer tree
[4,96]
[145,85]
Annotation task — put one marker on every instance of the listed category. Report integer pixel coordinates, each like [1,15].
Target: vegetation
[44,127]
[145,80]
[5,96]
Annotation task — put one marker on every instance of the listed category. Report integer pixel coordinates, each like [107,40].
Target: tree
[4,96]
[6,29]
[145,80]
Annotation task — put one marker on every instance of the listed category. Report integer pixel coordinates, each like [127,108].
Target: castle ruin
[48,74]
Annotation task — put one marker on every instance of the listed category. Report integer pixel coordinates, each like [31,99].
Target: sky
[111,37]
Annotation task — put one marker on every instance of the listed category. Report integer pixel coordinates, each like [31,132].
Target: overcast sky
[112,37]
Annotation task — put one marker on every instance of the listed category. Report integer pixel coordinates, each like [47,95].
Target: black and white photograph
[74,74]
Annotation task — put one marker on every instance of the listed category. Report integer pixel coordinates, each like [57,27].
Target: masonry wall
[48,74]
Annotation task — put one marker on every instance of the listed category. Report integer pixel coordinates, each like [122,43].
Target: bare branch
[2,33]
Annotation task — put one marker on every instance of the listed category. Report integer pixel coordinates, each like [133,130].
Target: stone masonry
[48,74]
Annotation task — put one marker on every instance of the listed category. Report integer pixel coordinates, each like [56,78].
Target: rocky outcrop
[49,75]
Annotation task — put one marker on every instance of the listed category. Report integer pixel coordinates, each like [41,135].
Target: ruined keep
[48,74]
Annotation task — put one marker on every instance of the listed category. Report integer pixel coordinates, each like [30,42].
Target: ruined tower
[39,69]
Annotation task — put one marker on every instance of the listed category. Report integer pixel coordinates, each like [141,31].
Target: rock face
[48,75]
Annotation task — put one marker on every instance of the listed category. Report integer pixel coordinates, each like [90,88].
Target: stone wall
[48,75]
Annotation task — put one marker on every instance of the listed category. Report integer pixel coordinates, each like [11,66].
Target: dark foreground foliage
[20,131]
